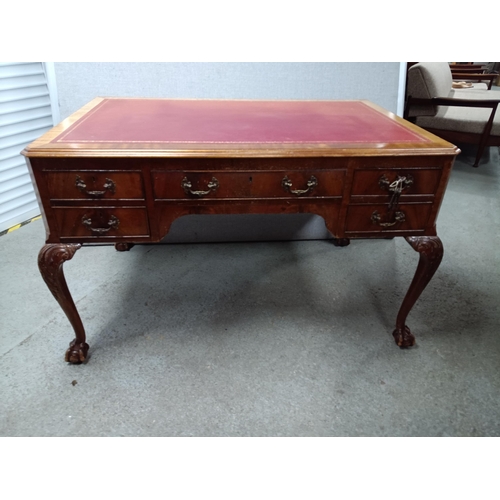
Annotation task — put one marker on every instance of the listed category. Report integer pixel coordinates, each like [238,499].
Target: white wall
[78,83]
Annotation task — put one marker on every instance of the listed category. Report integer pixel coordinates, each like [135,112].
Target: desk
[121,170]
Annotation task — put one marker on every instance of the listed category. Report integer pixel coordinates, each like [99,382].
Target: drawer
[218,184]
[94,185]
[376,182]
[102,222]
[376,217]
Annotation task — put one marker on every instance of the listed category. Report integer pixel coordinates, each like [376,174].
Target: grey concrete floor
[261,339]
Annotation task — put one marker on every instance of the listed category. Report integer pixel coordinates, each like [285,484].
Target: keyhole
[250,179]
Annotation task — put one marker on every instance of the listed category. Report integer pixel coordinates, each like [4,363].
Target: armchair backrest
[427,80]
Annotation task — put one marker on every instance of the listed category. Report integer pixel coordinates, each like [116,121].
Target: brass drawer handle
[113,223]
[212,186]
[109,185]
[398,217]
[287,185]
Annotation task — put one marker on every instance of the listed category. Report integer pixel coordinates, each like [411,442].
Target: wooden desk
[121,171]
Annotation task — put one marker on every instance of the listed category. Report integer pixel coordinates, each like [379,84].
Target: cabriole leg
[430,249]
[50,262]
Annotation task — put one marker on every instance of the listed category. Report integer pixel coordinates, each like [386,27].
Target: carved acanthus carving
[50,261]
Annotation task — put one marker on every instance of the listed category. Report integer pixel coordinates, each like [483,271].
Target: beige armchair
[456,115]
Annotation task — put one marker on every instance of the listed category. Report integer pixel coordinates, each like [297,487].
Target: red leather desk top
[231,121]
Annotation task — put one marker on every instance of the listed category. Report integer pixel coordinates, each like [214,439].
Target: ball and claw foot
[123,246]
[76,353]
[341,242]
[404,338]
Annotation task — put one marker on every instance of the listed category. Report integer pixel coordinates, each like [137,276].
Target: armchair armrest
[451,101]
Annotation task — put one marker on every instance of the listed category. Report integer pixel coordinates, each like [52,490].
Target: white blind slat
[9,153]
[20,140]
[11,198]
[17,70]
[13,173]
[24,81]
[10,163]
[23,211]
[12,95]
[24,104]
[19,128]
[25,114]
[17,183]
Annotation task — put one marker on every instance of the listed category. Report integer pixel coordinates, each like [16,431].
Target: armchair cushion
[454,114]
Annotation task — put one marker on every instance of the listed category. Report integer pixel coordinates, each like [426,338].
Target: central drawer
[178,185]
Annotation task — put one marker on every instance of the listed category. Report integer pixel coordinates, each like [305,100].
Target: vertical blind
[25,114]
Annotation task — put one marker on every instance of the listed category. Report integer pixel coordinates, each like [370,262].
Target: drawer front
[281,184]
[92,185]
[377,217]
[102,222]
[377,182]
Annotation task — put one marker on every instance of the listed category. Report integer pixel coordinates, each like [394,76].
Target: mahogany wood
[247,184]
[102,222]
[341,242]
[430,249]
[94,185]
[367,182]
[125,193]
[50,262]
[123,246]
[360,217]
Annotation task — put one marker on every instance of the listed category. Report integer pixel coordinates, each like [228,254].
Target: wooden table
[121,170]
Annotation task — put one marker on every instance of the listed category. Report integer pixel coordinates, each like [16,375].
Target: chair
[470,68]
[473,73]
[456,115]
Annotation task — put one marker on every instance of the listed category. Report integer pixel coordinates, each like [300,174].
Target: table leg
[50,262]
[123,247]
[341,242]
[430,249]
